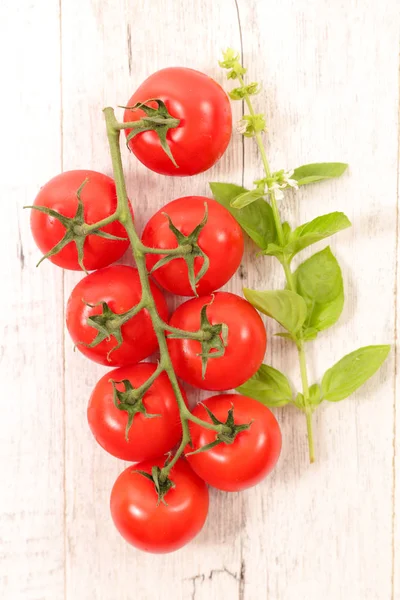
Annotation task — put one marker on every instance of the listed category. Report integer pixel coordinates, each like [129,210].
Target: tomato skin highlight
[120,287]
[148,437]
[252,455]
[205,126]
[221,240]
[159,529]
[99,198]
[247,341]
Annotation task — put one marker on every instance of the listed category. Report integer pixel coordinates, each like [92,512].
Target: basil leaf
[315,394]
[319,281]
[315,231]
[286,307]
[286,336]
[286,230]
[352,371]
[256,219]
[299,401]
[246,198]
[318,171]
[309,334]
[274,250]
[269,386]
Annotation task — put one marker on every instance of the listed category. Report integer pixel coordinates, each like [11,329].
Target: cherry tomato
[245,349]
[147,437]
[153,527]
[118,286]
[253,453]
[205,126]
[99,200]
[221,239]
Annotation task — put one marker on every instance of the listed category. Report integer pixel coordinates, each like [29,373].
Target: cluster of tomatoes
[105,326]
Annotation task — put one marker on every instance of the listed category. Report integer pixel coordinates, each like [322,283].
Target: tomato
[163,527]
[148,437]
[221,239]
[118,286]
[253,453]
[99,200]
[205,126]
[245,349]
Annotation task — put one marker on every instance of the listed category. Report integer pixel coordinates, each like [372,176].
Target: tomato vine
[123,214]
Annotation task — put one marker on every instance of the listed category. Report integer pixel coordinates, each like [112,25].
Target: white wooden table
[329,69]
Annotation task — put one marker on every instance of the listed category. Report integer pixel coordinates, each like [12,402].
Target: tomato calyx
[227,433]
[131,401]
[108,324]
[213,338]
[188,249]
[162,484]
[76,229]
[157,119]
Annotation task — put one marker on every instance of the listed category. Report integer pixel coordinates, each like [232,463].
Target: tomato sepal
[76,229]
[161,485]
[213,338]
[214,346]
[188,249]
[157,119]
[131,400]
[108,323]
[228,430]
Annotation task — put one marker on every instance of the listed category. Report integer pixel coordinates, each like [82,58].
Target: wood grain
[330,90]
[31,357]
[323,104]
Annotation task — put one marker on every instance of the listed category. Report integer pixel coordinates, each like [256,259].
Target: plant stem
[123,214]
[102,223]
[306,394]
[179,251]
[289,278]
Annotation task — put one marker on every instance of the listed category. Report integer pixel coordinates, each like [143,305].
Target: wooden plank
[396,430]
[331,92]
[31,355]
[326,531]
[123,45]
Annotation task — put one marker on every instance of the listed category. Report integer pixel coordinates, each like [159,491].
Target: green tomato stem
[124,215]
[179,251]
[289,278]
[95,226]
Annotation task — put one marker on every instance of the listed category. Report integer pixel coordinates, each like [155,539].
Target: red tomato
[159,528]
[253,453]
[221,239]
[205,126]
[245,350]
[120,287]
[148,437]
[99,201]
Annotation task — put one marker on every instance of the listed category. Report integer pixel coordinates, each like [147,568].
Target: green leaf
[239,93]
[318,172]
[352,371]
[315,231]
[286,230]
[286,307]
[269,386]
[246,198]
[299,401]
[309,334]
[256,219]
[274,250]
[315,394]
[319,281]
